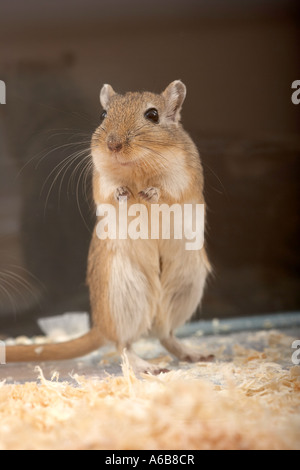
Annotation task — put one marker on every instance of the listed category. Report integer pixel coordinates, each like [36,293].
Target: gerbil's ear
[107,92]
[174,95]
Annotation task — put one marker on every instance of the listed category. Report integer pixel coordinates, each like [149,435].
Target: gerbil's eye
[103,116]
[152,115]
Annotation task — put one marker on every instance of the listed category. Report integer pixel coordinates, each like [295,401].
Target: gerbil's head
[138,131]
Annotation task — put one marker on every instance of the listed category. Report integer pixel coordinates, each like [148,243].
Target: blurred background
[238,60]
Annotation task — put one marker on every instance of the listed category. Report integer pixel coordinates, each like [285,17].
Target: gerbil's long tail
[57,351]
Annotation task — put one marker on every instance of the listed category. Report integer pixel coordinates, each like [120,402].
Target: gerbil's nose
[114,143]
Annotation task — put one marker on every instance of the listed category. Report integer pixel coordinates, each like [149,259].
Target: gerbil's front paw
[150,195]
[122,192]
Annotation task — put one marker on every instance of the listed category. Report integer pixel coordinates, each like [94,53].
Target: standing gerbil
[143,286]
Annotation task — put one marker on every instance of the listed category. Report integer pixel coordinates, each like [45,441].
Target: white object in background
[64,327]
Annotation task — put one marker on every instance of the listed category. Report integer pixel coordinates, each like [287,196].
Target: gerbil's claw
[150,194]
[122,192]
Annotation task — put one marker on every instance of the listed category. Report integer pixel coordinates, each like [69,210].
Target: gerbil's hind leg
[139,365]
[184,352]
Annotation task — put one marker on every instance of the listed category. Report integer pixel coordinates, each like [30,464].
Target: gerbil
[138,287]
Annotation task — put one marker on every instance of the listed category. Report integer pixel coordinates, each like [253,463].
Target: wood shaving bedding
[251,401]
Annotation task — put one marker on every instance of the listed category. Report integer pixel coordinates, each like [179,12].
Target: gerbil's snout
[114,143]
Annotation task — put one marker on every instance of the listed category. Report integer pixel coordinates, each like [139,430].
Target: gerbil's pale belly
[154,286]
[134,287]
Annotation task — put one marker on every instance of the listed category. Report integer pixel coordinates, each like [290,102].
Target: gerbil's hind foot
[184,353]
[150,195]
[140,366]
[122,192]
